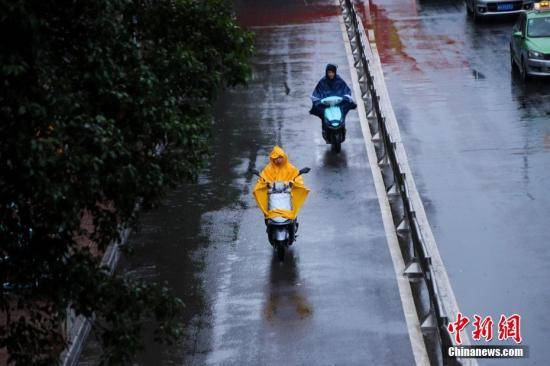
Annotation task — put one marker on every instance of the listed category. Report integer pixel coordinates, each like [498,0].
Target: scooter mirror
[304,170]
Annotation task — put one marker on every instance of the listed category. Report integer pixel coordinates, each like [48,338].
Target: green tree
[103,104]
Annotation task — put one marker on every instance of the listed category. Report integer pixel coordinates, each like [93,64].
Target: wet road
[479,144]
[335,299]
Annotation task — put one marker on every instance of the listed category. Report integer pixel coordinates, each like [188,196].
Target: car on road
[530,43]
[486,8]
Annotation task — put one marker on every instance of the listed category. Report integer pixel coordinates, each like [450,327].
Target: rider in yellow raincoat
[280,169]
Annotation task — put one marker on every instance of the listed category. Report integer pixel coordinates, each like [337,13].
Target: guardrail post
[430,322]
[376,139]
[393,191]
[403,227]
[413,269]
[353,47]
[383,161]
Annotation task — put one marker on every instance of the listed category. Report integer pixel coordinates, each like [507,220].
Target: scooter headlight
[335,124]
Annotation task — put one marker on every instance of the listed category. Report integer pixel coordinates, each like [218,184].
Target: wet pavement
[479,145]
[335,300]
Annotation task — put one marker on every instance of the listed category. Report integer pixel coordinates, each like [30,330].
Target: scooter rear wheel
[281,252]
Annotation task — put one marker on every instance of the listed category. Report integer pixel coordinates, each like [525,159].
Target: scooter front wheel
[336,147]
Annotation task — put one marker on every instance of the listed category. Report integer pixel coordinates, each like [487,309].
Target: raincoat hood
[330,67]
[284,172]
[330,88]
[278,152]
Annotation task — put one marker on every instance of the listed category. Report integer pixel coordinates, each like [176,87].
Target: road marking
[415,334]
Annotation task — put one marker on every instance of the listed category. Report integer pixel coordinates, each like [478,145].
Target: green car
[530,44]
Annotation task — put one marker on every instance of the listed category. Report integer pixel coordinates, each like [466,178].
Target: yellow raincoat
[285,172]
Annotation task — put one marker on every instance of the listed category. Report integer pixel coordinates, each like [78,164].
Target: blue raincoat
[328,88]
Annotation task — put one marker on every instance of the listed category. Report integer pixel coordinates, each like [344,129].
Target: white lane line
[409,309]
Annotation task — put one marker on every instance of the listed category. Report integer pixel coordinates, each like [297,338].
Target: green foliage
[102,104]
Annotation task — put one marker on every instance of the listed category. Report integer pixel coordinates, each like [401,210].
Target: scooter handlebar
[290,183]
[333,100]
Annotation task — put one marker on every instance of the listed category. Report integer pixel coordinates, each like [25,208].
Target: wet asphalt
[478,142]
[334,301]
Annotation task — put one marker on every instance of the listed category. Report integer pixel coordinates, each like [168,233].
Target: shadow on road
[286,298]
[535,87]
[334,160]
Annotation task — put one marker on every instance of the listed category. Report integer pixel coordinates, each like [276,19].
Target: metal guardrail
[78,327]
[418,262]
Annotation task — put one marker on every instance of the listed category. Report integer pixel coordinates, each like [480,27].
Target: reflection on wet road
[285,301]
[478,143]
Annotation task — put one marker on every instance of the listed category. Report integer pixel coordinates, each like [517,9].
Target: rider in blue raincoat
[331,85]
